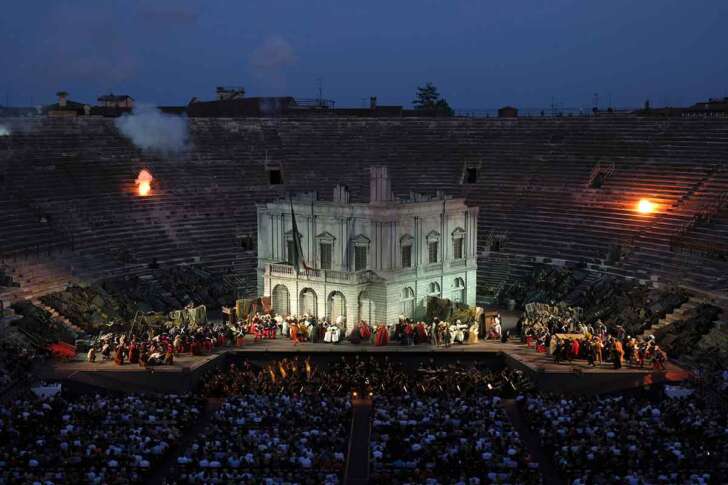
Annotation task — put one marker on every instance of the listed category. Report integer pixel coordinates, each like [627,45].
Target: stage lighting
[645,206]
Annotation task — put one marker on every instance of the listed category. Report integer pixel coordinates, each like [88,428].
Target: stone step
[676,315]
[77,331]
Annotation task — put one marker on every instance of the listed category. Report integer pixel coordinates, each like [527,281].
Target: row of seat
[70,185]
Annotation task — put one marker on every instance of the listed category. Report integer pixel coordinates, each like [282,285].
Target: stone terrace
[532,187]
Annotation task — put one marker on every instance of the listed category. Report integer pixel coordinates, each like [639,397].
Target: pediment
[289,234]
[406,240]
[361,240]
[458,232]
[326,236]
[433,236]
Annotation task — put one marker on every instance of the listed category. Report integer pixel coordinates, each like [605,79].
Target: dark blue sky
[481,54]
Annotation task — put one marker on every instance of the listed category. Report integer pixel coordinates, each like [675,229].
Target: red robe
[421,335]
[365,332]
[382,336]
[574,348]
[133,354]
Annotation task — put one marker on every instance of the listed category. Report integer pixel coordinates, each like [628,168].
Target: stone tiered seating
[533,184]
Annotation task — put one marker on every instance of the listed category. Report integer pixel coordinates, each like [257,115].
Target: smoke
[150,129]
[274,53]
[4,131]
[269,61]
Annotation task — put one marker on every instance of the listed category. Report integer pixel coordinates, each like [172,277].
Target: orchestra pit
[363,297]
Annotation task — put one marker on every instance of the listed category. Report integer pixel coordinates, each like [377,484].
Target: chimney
[373,102]
[380,188]
[62,98]
[341,194]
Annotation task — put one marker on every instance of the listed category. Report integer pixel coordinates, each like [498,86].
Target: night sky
[481,54]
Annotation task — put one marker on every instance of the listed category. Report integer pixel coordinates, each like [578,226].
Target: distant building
[507,112]
[236,107]
[115,101]
[713,105]
[66,107]
[367,261]
[226,92]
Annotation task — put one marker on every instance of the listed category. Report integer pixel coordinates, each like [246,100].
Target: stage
[187,370]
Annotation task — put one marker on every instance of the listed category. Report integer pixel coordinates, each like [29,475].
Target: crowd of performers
[148,347]
[405,332]
[566,338]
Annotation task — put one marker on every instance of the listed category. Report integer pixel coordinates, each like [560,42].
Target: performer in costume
[473,333]
[365,331]
[382,335]
[293,328]
[420,333]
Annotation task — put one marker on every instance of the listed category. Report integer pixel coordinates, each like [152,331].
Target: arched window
[308,302]
[336,306]
[366,307]
[408,302]
[281,300]
[433,289]
[458,291]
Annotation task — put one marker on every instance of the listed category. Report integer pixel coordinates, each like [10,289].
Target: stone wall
[70,183]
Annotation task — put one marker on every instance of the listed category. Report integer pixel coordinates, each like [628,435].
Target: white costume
[457,332]
[497,328]
[282,324]
[332,334]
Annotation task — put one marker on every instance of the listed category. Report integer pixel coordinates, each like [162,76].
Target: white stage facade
[366,261]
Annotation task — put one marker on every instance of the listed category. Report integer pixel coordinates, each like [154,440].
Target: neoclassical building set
[366,261]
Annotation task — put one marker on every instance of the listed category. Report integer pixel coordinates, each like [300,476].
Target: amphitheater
[70,213]
[558,221]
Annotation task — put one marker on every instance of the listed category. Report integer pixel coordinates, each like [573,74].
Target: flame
[144,183]
[645,206]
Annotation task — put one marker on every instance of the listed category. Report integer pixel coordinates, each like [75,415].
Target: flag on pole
[298,262]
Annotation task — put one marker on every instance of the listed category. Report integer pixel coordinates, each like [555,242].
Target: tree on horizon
[428,99]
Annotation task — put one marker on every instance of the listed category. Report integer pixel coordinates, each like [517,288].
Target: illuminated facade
[367,261]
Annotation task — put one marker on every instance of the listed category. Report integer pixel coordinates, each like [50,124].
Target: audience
[446,439]
[270,439]
[91,438]
[631,439]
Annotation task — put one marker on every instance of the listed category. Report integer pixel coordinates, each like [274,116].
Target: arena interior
[622,215]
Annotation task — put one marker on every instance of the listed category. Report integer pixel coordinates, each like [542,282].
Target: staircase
[357,458]
[77,331]
[676,315]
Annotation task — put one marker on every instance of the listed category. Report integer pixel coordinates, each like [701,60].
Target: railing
[282,269]
[328,274]
[338,275]
[315,103]
[458,262]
